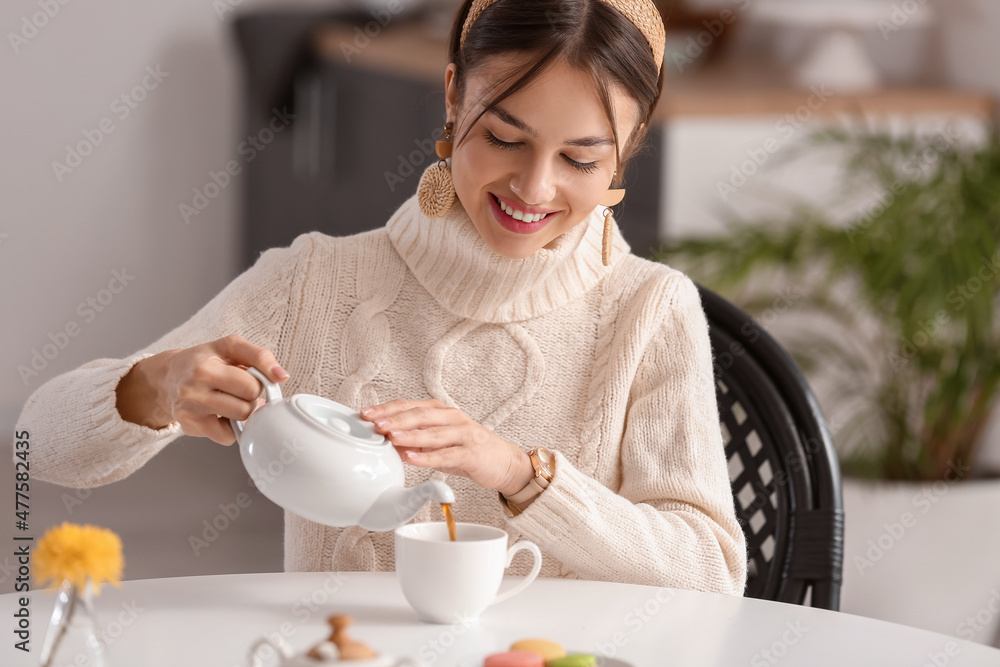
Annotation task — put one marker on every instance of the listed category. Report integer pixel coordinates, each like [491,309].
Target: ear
[450,90]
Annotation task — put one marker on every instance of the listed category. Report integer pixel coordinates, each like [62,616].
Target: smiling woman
[583,84]
[498,330]
[530,159]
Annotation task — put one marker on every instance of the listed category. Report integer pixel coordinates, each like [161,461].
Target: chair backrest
[782,464]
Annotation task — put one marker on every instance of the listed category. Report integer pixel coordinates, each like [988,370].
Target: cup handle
[535,569]
[272,393]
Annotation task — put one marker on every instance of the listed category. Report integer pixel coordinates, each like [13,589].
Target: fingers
[434,437]
[225,405]
[239,351]
[406,415]
[221,430]
[399,405]
[208,415]
[217,429]
[446,458]
[235,381]
[206,385]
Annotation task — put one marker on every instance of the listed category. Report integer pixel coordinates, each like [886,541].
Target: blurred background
[172,142]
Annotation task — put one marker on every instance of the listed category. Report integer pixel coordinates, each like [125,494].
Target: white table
[213,620]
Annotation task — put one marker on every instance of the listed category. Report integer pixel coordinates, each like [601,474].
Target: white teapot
[322,461]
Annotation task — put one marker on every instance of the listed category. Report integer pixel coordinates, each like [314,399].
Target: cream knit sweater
[610,367]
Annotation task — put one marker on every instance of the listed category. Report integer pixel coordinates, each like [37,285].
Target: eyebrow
[511,119]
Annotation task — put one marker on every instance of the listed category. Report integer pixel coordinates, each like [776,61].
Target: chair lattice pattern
[751,474]
[786,497]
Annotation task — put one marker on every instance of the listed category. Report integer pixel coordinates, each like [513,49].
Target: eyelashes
[585,167]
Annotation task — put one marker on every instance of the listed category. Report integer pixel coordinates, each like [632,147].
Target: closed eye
[586,167]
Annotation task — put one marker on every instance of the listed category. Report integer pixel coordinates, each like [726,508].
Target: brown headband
[643,13]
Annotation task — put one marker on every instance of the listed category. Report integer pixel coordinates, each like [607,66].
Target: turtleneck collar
[451,261]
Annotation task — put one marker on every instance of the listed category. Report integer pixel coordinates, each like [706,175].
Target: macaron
[543,647]
[514,659]
[574,660]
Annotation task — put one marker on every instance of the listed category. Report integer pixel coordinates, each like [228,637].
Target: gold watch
[543,461]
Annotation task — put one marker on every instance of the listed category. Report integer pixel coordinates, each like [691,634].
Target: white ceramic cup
[453,582]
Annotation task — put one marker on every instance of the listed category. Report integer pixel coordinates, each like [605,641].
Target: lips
[531,211]
[516,226]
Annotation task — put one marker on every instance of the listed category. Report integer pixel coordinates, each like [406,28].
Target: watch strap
[540,460]
[532,489]
[509,508]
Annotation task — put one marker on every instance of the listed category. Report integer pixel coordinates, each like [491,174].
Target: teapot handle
[272,393]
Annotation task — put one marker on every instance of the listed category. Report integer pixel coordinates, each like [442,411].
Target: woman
[469,336]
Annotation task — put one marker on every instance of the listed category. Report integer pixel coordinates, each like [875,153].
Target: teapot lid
[337,420]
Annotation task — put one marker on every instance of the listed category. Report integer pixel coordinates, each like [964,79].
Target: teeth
[520,215]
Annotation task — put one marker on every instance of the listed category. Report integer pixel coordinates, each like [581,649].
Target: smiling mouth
[501,205]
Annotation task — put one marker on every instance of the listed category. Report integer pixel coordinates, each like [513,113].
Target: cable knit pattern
[594,411]
[363,347]
[609,366]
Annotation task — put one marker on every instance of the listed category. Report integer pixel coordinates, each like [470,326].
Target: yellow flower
[76,553]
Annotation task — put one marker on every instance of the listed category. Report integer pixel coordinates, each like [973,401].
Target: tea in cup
[454,582]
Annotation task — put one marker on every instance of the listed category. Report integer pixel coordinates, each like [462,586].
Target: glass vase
[72,635]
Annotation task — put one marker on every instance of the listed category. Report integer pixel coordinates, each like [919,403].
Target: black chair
[782,464]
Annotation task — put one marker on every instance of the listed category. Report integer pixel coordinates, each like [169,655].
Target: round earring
[609,199]
[436,192]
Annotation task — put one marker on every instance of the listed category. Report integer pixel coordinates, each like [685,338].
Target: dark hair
[590,34]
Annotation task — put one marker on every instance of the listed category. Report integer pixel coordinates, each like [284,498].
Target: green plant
[909,289]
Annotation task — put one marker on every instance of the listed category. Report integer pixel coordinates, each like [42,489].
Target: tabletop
[213,620]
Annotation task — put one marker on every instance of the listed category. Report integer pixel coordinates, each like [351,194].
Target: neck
[463,273]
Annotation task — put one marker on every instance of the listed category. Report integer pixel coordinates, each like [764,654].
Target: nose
[535,184]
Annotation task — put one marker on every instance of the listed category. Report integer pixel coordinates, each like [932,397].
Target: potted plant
[894,320]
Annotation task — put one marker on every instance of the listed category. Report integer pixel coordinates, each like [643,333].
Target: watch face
[547,460]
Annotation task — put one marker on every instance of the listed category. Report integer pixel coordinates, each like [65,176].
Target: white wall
[119,207]
[119,210]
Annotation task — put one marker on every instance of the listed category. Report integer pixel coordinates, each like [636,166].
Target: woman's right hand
[201,387]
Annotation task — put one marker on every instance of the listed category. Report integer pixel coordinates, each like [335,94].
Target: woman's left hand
[429,434]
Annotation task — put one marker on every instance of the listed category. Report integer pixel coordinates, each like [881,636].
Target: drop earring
[609,199]
[436,192]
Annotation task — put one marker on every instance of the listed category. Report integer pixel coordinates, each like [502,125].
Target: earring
[436,192]
[609,199]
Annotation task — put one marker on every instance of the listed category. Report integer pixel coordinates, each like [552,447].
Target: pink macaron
[514,659]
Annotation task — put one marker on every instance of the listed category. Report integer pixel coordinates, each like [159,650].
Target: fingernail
[413,456]
[367,411]
[397,434]
[279,372]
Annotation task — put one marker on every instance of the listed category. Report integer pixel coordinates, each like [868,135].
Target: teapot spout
[398,505]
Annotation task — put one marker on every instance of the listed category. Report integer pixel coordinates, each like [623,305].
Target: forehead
[560,87]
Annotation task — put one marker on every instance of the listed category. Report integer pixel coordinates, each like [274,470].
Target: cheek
[475,167]
[478,160]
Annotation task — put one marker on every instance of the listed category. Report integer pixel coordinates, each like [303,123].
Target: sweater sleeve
[673,522]
[78,437]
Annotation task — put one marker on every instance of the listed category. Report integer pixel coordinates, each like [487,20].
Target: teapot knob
[339,424]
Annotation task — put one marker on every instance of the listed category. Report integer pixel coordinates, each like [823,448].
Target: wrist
[137,395]
[520,472]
